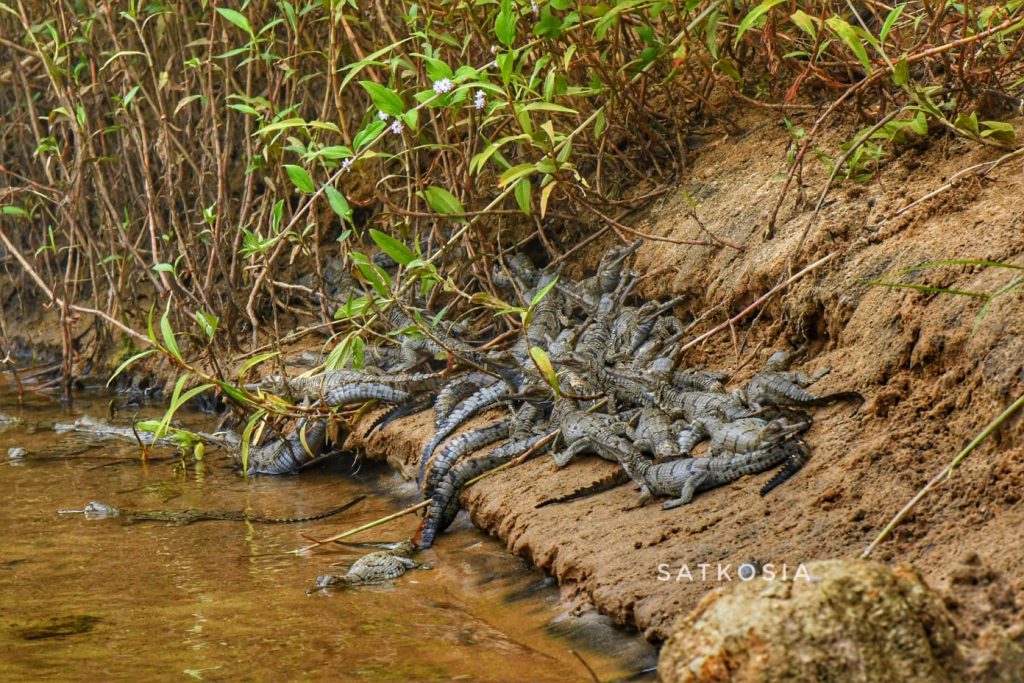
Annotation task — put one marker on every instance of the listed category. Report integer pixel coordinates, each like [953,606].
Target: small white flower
[480,99]
[494,49]
[347,164]
[397,127]
[382,116]
[442,86]
[534,7]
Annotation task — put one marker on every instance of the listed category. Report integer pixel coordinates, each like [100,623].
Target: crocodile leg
[689,488]
[562,458]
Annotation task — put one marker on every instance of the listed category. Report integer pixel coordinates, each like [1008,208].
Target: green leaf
[505,24]
[968,124]
[300,178]
[254,361]
[284,124]
[392,247]
[849,36]
[385,99]
[805,22]
[333,152]
[890,20]
[368,134]
[547,371]
[543,292]
[165,329]
[373,273]
[442,201]
[11,210]
[246,439]
[208,321]
[752,17]
[523,196]
[901,72]
[234,393]
[236,18]
[149,326]
[339,204]
[919,124]
[1000,130]
[123,366]
[515,173]
[352,308]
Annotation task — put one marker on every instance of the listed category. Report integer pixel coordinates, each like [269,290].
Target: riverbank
[933,373]
[933,370]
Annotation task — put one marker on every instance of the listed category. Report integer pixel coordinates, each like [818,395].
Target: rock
[14,453]
[841,620]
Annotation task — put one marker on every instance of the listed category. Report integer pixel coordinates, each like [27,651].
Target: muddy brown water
[101,600]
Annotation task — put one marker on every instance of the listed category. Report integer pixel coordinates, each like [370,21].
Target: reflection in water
[83,600]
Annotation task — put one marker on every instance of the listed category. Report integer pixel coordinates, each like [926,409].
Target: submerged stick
[943,474]
[369,525]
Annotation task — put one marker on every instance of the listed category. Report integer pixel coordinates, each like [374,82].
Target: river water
[221,600]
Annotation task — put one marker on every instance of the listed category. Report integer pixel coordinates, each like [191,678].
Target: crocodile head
[96,510]
[274,383]
[404,549]
[779,430]
[661,368]
[326,580]
[778,361]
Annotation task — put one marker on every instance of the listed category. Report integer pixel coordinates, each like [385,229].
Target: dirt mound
[826,621]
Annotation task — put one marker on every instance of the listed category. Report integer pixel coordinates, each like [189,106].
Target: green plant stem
[943,474]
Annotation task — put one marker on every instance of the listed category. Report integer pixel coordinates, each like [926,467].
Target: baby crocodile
[287,454]
[655,433]
[95,510]
[600,434]
[377,567]
[681,479]
[774,385]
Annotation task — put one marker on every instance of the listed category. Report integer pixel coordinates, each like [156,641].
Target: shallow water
[219,600]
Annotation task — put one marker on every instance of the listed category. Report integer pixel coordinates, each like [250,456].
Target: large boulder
[835,620]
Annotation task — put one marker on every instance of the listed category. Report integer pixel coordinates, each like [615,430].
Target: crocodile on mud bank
[626,399]
[96,510]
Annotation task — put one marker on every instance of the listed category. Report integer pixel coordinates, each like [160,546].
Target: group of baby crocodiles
[621,395]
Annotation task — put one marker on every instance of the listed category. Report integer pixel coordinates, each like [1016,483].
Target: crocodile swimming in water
[377,567]
[96,510]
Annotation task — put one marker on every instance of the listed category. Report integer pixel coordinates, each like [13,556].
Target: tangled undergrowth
[237,164]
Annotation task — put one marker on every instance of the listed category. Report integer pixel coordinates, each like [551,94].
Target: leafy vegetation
[218,159]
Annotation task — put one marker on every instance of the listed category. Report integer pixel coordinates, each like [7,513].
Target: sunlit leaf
[385,99]
[442,201]
[300,178]
[236,18]
[168,334]
[392,247]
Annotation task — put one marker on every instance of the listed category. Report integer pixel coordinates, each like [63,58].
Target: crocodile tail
[619,478]
[838,396]
[400,410]
[794,463]
[311,518]
[445,502]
